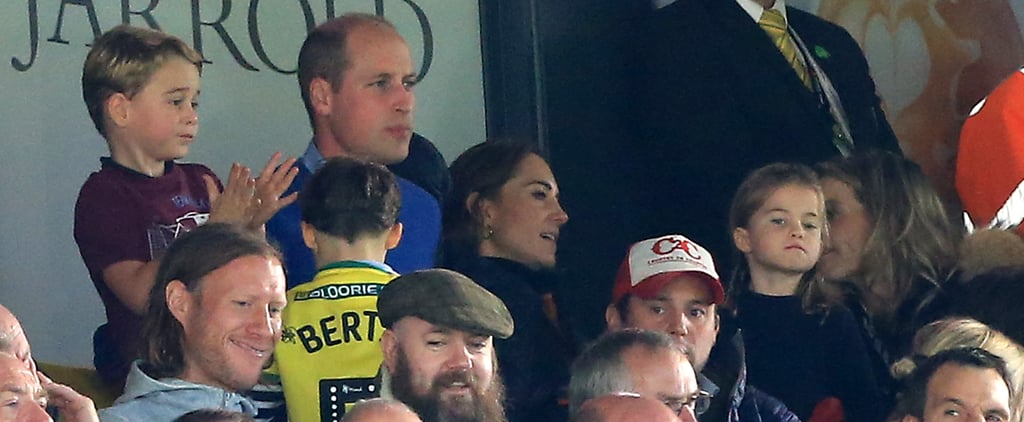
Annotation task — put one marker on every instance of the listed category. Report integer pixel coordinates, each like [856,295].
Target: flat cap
[444,297]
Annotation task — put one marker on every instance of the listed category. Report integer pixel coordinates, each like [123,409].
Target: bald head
[380,410]
[24,399]
[13,340]
[624,407]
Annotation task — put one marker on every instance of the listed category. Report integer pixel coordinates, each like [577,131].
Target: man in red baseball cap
[669,284]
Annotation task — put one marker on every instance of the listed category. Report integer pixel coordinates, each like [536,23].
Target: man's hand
[73,407]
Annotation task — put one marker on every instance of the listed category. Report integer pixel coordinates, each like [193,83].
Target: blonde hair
[961,332]
[122,60]
[913,244]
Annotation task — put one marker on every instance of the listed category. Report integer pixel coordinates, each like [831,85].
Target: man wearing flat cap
[438,350]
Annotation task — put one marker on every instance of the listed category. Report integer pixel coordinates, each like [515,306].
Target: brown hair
[214,415]
[324,53]
[912,399]
[482,169]
[955,332]
[189,259]
[750,196]
[122,60]
[913,243]
[350,198]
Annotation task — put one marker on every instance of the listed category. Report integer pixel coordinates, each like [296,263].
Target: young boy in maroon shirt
[142,88]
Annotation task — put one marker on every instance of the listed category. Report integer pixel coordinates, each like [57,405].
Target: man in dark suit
[721,99]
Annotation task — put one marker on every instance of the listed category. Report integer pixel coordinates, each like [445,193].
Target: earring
[489,234]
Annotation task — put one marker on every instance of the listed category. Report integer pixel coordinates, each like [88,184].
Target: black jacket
[534,361]
[726,371]
[719,100]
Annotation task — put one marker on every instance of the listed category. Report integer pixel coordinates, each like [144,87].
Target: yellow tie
[775,25]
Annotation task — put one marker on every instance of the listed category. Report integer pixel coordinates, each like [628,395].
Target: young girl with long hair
[801,347]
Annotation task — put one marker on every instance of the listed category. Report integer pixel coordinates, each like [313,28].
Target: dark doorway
[558,73]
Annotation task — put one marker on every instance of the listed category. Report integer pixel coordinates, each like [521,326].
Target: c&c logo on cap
[667,245]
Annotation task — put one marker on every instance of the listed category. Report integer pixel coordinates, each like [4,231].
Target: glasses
[697,403]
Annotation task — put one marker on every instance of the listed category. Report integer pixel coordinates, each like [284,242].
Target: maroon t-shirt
[124,215]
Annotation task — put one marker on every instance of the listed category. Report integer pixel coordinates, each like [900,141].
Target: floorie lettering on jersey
[340,291]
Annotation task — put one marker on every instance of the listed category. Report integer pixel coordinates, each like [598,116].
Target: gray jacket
[147,399]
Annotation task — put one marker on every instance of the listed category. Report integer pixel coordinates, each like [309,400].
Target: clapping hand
[235,204]
[272,182]
[251,202]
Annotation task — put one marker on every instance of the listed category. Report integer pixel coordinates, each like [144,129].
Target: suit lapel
[751,52]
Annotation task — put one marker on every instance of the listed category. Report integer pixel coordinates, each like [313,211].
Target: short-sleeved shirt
[123,215]
[329,353]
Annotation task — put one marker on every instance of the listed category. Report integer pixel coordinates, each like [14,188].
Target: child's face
[161,120]
[784,235]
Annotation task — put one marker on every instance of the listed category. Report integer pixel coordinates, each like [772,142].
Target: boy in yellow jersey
[330,350]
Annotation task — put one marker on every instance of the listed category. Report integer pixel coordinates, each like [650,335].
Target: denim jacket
[163,400]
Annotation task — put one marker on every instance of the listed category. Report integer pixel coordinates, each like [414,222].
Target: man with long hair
[213,320]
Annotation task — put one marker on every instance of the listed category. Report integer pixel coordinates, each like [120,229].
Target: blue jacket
[420,216]
[164,400]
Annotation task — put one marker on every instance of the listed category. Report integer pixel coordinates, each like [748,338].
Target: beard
[206,353]
[482,405]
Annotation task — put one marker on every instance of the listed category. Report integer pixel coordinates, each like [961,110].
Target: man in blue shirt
[356,78]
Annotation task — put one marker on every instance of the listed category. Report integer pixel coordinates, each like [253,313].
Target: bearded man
[438,349]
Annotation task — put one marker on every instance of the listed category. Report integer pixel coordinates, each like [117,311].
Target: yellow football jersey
[330,343]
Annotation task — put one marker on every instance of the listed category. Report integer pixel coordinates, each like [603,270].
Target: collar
[359,264]
[139,384]
[108,162]
[507,264]
[754,9]
[312,159]
[485,268]
[706,385]
[384,376]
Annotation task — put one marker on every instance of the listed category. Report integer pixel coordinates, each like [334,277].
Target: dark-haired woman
[500,228]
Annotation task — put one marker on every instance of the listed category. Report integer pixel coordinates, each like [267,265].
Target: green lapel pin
[821,52]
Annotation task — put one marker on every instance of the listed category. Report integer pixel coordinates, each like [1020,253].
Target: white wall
[48,145]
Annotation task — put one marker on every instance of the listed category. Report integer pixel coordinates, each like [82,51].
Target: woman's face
[849,228]
[525,217]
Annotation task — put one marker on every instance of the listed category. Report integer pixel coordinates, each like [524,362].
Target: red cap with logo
[653,263]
